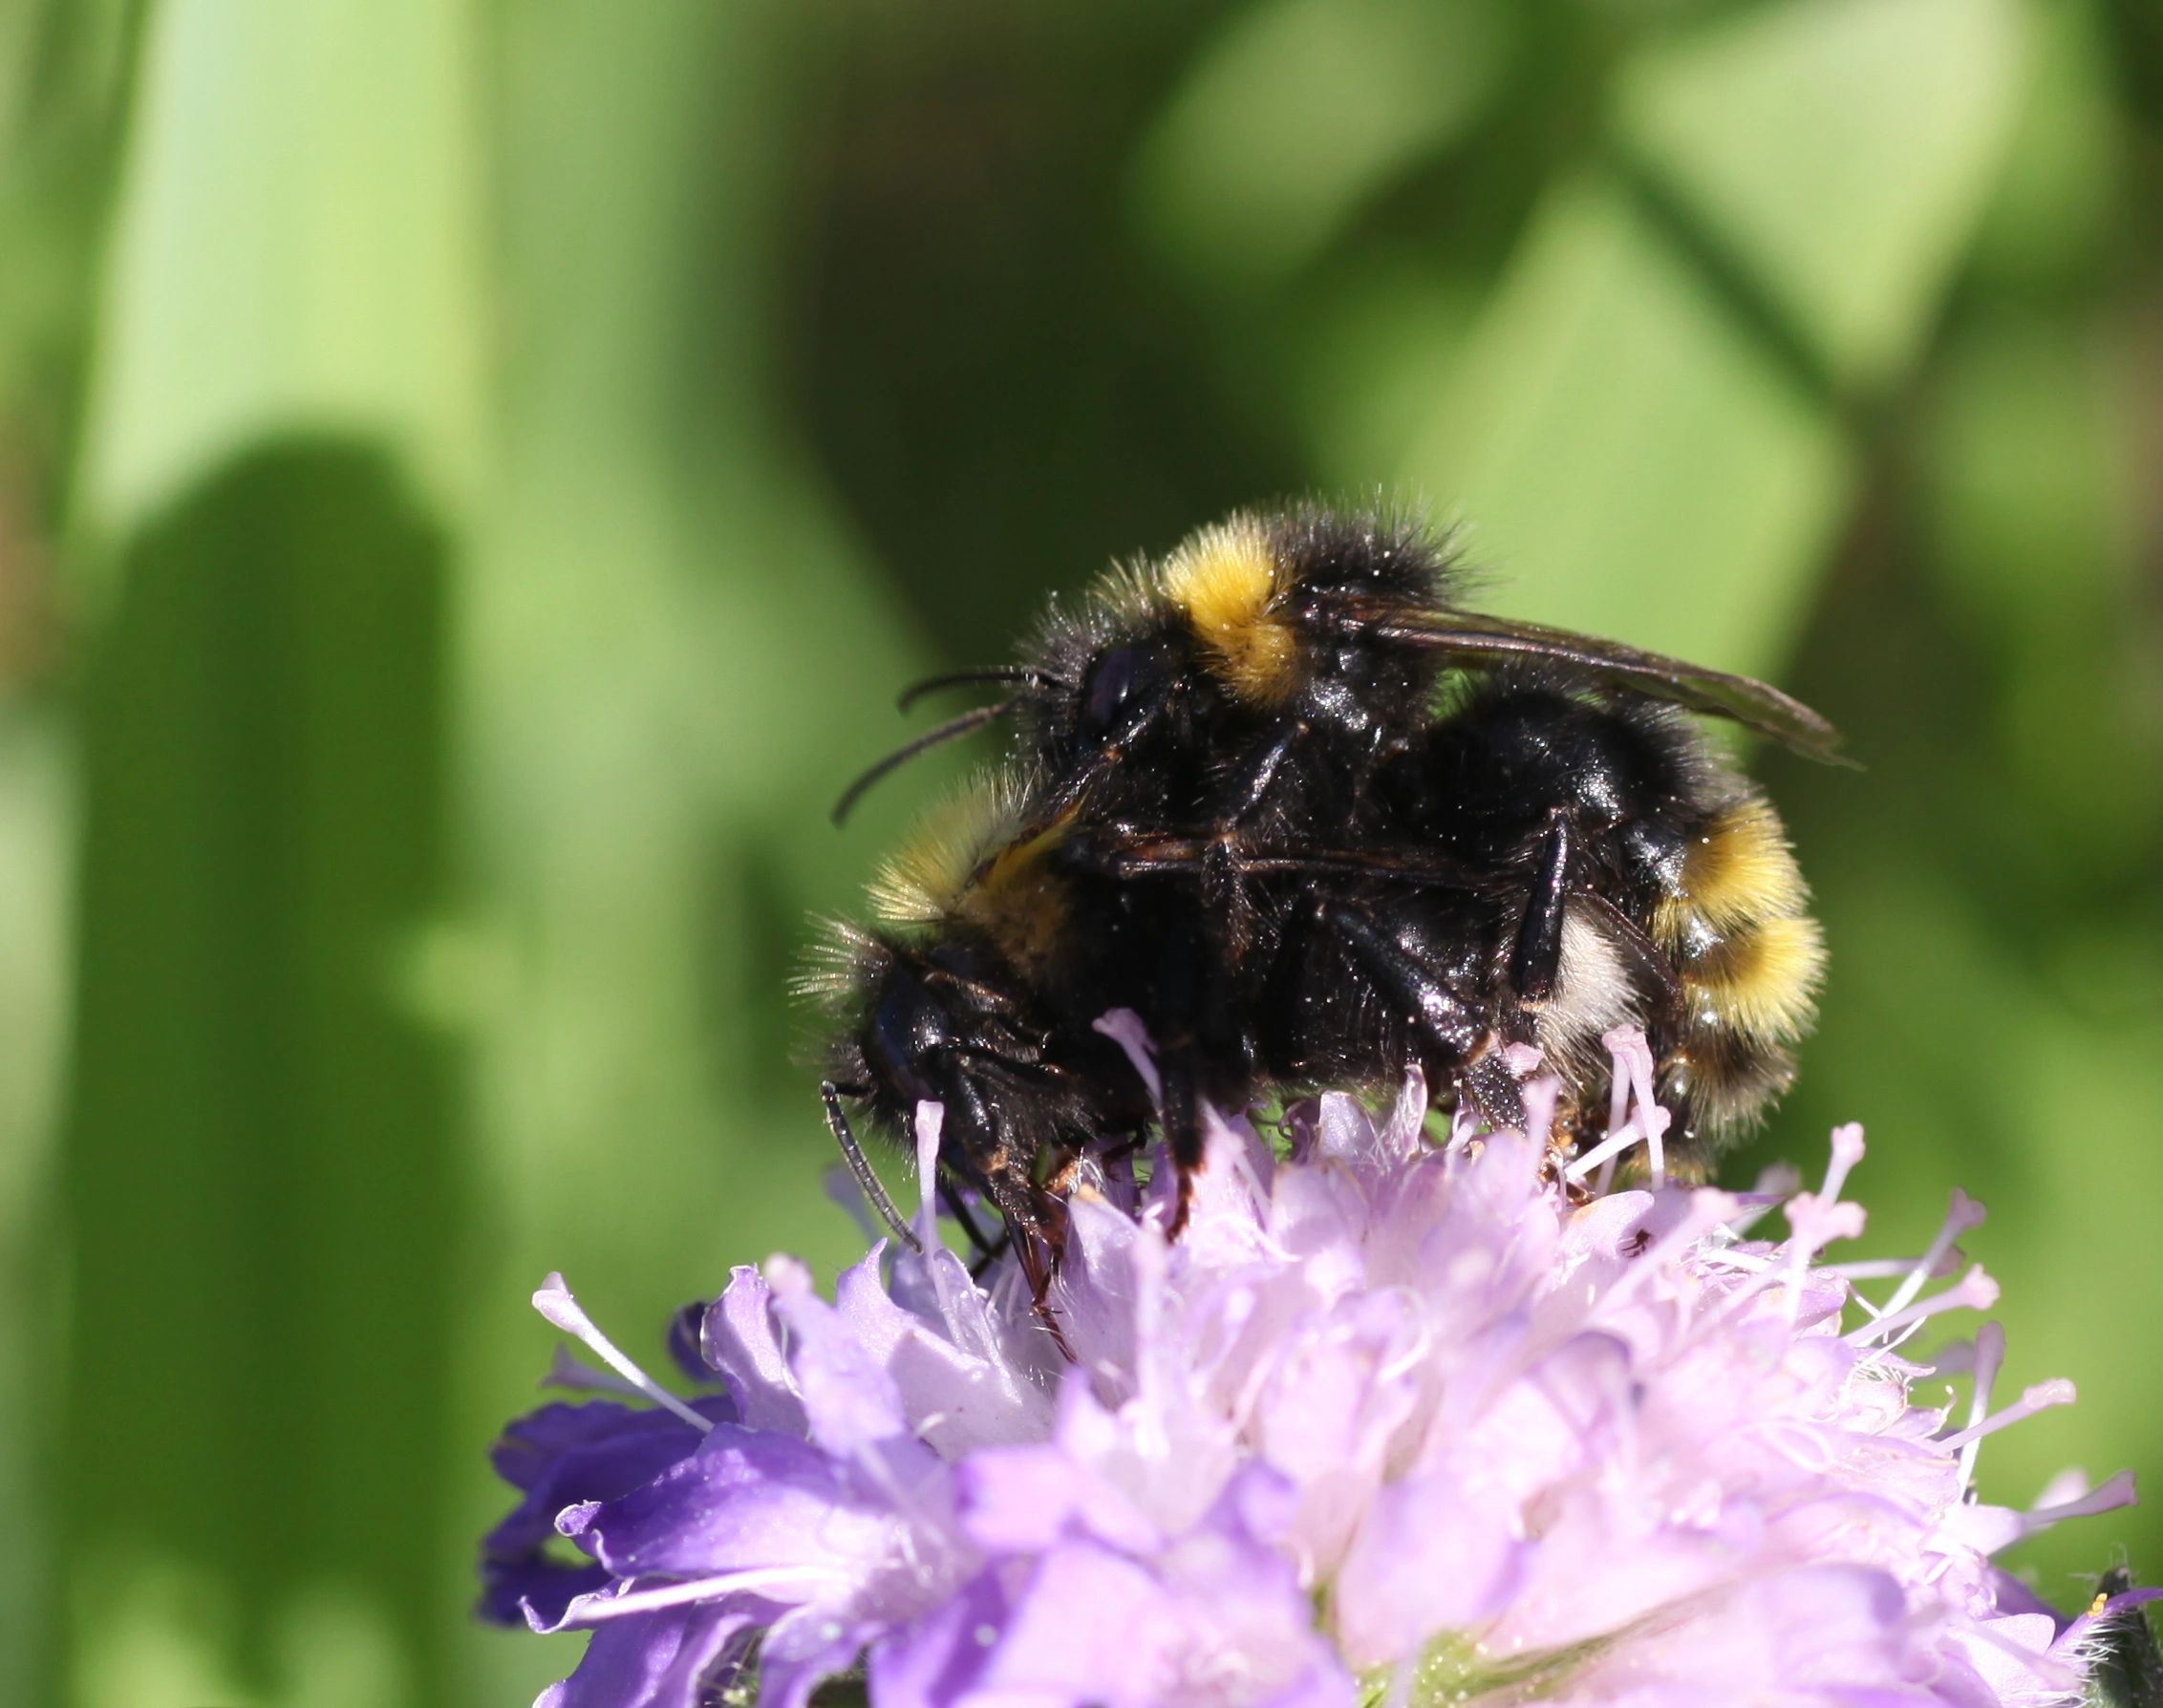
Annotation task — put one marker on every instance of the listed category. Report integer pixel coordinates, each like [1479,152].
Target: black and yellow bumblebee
[1314,822]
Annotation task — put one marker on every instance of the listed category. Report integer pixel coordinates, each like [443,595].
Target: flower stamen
[554,1301]
[1989,1358]
[2041,1398]
[1962,1214]
[1975,1291]
[701,1589]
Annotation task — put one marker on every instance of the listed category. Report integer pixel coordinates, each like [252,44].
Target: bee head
[1257,618]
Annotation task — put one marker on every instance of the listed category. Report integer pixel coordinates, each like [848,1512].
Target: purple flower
[560,1456]
[1392,1423]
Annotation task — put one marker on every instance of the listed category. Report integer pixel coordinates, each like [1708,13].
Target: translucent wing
[1482,640]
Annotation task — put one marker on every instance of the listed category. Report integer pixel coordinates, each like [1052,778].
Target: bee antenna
[860,1165]
[996,672]
[928,740]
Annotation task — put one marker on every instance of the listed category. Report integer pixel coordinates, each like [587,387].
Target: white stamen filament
[1124,1028]
[1847,1152]
[1633,1065]
[1463,1127]
[1815,1222]
[1960,1215]
[1607,1151]
[555,1302]
[1989,1358]
[1757,1262]
[930,1119]
[703,1589]
[2038,1399]
[1975,1291]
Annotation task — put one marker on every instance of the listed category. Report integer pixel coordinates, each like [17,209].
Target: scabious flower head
[1397,1421]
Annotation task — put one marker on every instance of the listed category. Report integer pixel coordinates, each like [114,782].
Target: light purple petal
[738,1339]
[1431,1557]
[937,1660]
[954,1398]
[1387,1404]
[849,1401]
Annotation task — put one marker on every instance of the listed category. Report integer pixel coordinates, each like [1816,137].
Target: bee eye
[1112,684]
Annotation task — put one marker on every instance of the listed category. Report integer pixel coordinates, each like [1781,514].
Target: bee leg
[1039,1244]
[1182,1131]
[1535,959]
[1437,1010]
[1263,773]
[1493,1086]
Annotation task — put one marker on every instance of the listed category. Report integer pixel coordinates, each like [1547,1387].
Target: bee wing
[1480,639]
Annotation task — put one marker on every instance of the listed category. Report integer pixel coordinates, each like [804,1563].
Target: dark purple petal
[529,1448]
[747,1498]
[686,1335]
[533,1589]
[648,1660]
[561,1455]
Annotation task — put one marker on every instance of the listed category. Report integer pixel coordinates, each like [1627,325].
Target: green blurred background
[472,474]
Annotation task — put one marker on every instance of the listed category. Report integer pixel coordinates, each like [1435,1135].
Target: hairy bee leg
[1493,1087]
[1536,960]
[1434,1007]
[1223,863]
[1182,1131]
[1264,773]
[1040,1246]
[1438,1010]
[860,1165]
[987,1256]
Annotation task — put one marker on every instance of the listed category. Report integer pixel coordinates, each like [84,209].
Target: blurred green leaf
[2025,494]
[286,348]
[297,246]
[1380,349]
[2050,220]
[260,1147]
[672,663]
[2031,514]
[1296,112]
[1629,459]
[36,845]
[1842,150]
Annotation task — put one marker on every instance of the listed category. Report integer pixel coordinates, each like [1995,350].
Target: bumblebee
[1314,822]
